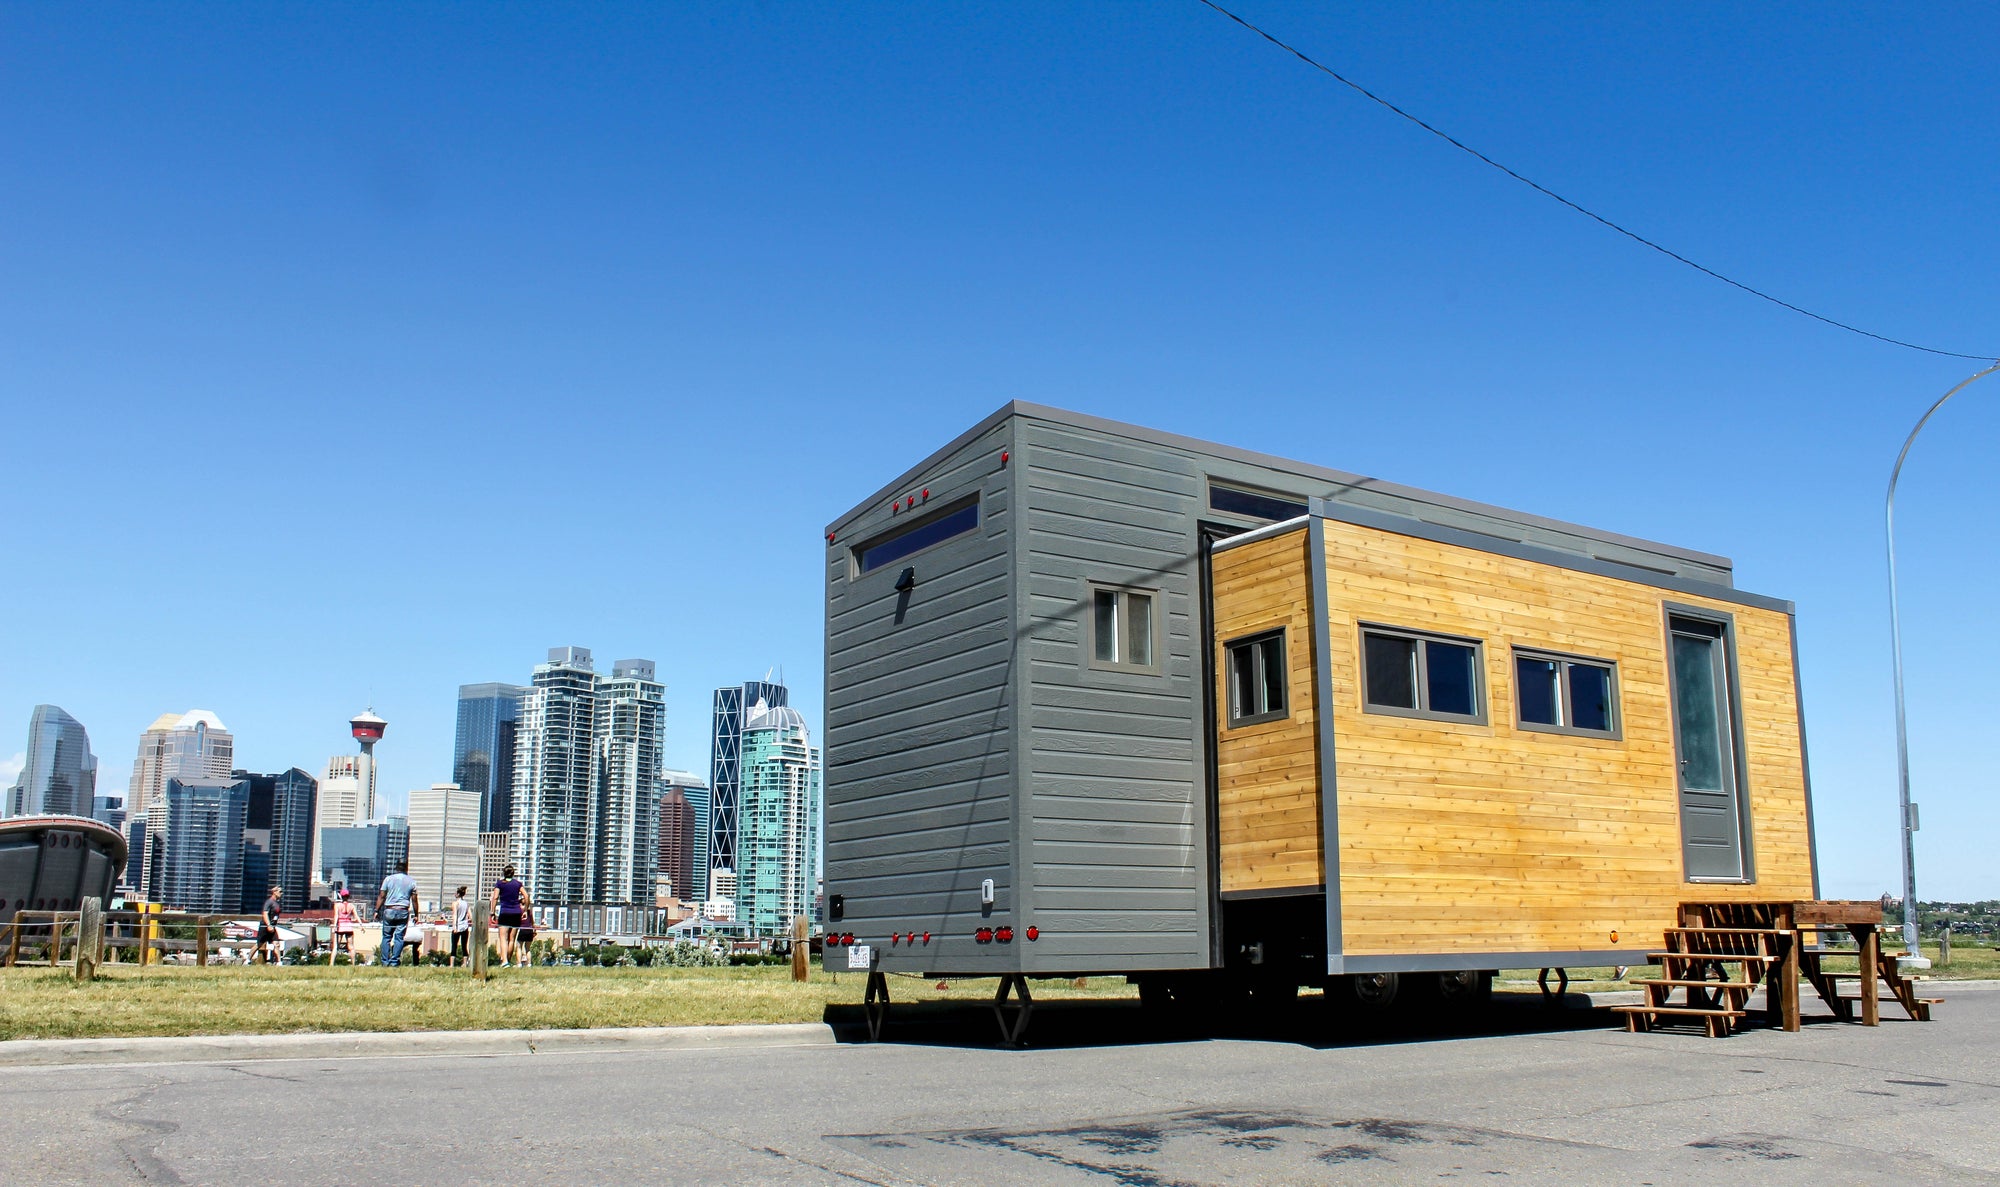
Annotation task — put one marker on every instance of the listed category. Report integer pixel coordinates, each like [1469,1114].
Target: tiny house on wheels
[1104,700]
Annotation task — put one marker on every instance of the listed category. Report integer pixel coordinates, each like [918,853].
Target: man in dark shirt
[268,947]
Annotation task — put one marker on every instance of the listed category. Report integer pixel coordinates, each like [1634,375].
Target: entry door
[1705,742]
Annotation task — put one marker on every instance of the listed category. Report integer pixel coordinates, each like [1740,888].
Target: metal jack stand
[875,1004]
[1554,1000]
[1012,1032]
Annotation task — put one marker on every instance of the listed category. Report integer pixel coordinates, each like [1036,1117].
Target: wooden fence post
[201,942]
[479,940]
[801,949]
[89,938]
[13,943]
[55,940]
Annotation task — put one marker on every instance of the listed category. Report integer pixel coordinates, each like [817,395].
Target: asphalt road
[1521,1096]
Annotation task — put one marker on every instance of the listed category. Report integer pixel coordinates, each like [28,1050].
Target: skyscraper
[678,832]
[777,825]
[482,761]
[60,777]
[629,733]
[202,861]
[444,840]
[732,705]
[552,768]
[695,789]
[279,822]
[192,745]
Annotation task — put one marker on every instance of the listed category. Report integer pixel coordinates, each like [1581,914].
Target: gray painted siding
[1114,849]
[919,721]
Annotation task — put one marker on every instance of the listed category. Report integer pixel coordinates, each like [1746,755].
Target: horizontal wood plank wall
[1267,810]
[1459,837]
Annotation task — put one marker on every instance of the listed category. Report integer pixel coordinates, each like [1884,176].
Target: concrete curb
[236,1048]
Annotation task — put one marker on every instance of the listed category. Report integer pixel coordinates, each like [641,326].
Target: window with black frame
[1417,674]
[1256,676]
[1565,694]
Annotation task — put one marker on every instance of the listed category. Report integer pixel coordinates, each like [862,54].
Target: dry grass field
[124,1001]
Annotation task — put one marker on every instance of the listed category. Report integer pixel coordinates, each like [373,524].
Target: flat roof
[1332,478]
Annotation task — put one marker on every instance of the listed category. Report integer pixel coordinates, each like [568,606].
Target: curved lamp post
[1896,646]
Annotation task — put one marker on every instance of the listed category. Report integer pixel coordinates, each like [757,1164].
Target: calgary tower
[368,730]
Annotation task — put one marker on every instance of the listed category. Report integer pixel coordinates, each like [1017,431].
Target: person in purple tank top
[506,908]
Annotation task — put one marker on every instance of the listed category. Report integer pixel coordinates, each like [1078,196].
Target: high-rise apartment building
[552,761]
[586,780]
[777,823]
[202,859]
[278,834]
[444,840]
[628,737]
[60,777]
[190,745]
[482,760]
[732,706]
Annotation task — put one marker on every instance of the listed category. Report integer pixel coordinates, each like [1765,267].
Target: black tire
[1466,989]
[1375,991]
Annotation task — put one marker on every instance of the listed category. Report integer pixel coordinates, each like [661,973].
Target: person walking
[506,905]
[524,939]
[347,922]
[269,950]
[395,905]
[461,929]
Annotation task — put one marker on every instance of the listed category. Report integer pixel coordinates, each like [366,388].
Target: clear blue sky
[349,353]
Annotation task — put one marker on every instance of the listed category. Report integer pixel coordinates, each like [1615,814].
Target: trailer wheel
[1467,987]
[1377,991]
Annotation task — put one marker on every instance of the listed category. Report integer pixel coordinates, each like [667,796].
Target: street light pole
[1896,647]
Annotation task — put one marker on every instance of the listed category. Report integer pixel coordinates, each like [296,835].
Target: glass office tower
[482,761]
[60,778]
[732,705]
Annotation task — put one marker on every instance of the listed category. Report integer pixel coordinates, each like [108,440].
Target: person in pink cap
[345,923]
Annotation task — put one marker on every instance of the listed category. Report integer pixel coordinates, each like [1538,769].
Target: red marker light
[829,537]
[927,937]
[984,935]
[1003,457]
[1005,935]
[927,494]
[1034,932]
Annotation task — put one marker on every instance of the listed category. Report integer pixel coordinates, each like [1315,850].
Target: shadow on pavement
[1312,1021]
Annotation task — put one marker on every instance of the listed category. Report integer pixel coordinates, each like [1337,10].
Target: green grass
[44,1003]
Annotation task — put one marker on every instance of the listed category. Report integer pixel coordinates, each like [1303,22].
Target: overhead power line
[1539,188]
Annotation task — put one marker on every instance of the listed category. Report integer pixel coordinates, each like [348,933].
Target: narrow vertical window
[1122,628]
[1106,650]
[1257,678]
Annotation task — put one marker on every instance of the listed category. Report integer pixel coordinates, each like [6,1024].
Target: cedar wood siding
[919,724]
[1461,837]
[1267,772]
